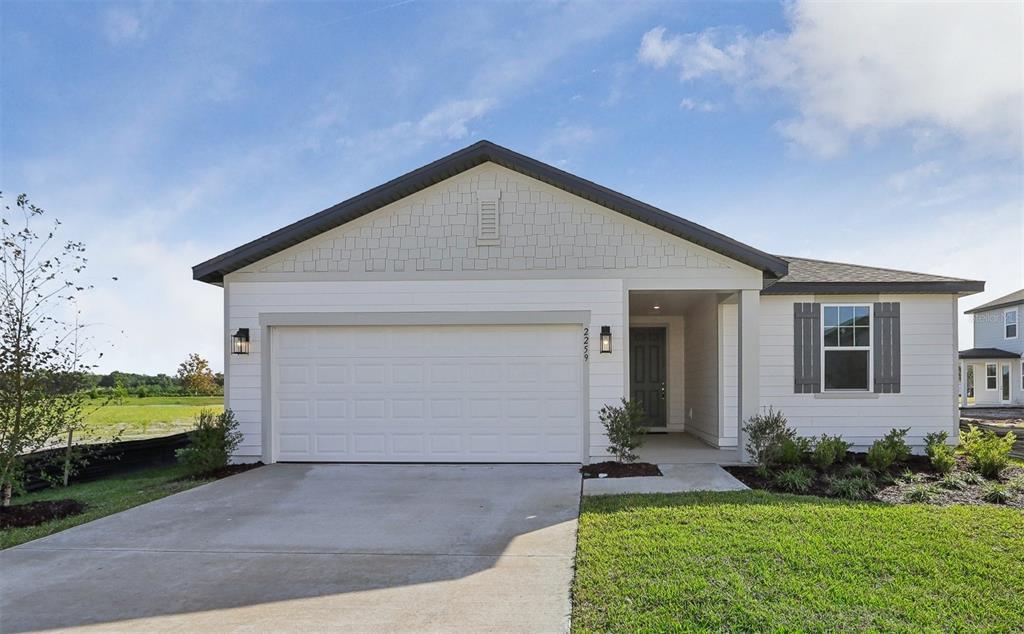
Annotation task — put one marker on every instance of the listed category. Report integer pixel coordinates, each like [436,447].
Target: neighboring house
[484,307]
[996,359]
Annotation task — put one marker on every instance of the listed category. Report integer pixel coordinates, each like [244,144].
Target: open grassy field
[146,417]
[102,497]
[756,561]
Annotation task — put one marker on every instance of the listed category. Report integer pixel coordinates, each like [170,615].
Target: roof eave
[957,287]
[985,309]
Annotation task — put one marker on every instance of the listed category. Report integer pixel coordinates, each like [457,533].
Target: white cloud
[904,180]
[121,24]
[697,105]
[451,120]
[854,70]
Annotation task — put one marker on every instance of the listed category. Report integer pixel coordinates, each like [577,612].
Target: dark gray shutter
[806,347]
[887,347]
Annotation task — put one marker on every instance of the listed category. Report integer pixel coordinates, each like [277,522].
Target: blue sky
[166,133]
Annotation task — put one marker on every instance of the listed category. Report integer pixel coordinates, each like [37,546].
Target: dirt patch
[21,515]
[620,470]
[222,472]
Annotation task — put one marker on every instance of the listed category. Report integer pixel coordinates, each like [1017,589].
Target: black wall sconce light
[606,339]
[240,341]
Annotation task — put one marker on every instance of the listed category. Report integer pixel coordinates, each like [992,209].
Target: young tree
[41,373]
[196,377]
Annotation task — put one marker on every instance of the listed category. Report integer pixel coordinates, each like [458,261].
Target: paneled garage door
[427,393]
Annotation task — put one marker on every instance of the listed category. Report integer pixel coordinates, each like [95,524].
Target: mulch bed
[21,515]
[893,486]
[222,472]
[613,469]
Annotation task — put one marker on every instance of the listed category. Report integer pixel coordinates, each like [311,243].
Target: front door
[1005,386]
[647,370]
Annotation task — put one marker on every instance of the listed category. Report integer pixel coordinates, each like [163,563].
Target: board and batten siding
[927,401]
[246,300]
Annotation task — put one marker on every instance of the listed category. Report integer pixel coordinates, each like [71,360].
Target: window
[846,346]
[990,377]
[1010,324]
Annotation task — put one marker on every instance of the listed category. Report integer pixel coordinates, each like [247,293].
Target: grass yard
[102,497]
[758,561]
[147,417]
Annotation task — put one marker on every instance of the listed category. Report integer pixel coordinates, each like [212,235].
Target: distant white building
[996,358]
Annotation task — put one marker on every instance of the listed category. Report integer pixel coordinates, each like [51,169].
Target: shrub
[995,493]
[953,481]
[1016,483]
[911,476]
[970,477]
[858,471]
[829,450]
[212,441]
[624,428]
[795,479]
[943,459]
[921,493]
[889,449]
[765,433]
[793,451]
[852,488]
[987,453]
[940,454]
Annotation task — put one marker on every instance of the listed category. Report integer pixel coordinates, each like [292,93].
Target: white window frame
[869,347]
[1015,324]
[994,377]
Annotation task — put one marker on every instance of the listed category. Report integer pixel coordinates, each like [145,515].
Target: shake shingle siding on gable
[541,228]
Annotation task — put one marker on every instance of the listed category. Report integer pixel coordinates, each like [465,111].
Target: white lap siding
[246,300]
[927,401]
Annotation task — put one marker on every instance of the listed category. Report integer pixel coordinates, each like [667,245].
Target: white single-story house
[996,363]
[484,307]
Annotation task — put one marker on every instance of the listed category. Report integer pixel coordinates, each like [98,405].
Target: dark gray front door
[647,372]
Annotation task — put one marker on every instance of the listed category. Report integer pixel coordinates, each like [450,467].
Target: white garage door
[427,393]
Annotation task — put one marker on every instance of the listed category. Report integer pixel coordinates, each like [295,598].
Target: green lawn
[102,497]
[756,561]
[146,417]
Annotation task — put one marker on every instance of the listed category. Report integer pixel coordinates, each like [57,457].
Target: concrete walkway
[675,478]
[307,548]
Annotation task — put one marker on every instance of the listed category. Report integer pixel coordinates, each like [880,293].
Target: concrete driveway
[357,548]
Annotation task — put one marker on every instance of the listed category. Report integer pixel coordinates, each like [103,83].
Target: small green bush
[940,454]
[212,441]
[765,433]
[858,471]
[911,476]
[624,427]
[943,459]
[793,451]
[953,482]
[829,450]
[971,477]
[852,488]
[921,493]
[888,450]
[795,479]
[987,453]
[1016,483]
[995,493]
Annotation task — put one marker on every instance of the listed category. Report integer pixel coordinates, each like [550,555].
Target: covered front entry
[418,393]
[685,370]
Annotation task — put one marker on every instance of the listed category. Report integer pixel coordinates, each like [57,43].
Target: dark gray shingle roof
[820,276]
[1016,297]
[988,353]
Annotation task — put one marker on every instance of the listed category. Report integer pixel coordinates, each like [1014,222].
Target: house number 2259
[586,344]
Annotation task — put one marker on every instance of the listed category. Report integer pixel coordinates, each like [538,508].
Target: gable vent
[488,223]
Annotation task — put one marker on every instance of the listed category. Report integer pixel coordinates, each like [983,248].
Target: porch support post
[749,362]
[963,383]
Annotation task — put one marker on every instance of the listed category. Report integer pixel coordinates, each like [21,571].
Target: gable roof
[1016,297]
[819,276]
[214,270]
